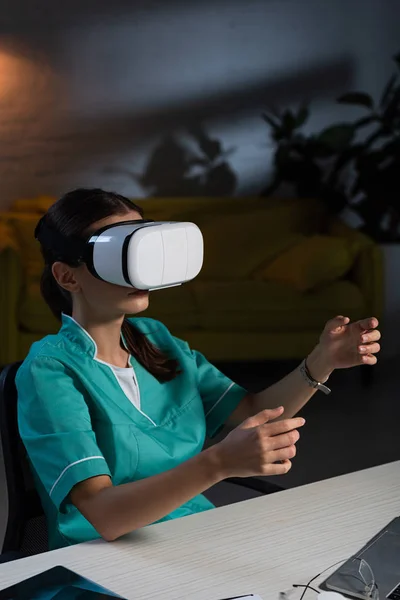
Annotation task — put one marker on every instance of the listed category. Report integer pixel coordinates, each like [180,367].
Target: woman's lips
[138,293]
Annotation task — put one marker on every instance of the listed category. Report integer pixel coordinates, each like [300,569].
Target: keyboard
[395,594]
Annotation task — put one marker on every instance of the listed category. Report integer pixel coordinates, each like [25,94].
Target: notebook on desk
[57,583]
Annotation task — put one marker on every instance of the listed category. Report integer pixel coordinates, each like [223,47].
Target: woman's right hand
[259,446]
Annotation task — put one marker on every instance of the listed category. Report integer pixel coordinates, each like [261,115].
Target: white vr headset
[143,254]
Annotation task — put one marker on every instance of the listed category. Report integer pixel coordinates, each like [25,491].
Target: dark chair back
[26,528]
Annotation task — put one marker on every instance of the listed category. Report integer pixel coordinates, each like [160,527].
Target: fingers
[282,454]
[275,441]
[262,417]
[370,336]
[373,348]
[279,427]
[369,359]
[370,323]
[337,323]
[280,468]
[284,440]
[369,341]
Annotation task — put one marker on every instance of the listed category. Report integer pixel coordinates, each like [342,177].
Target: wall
[87,89]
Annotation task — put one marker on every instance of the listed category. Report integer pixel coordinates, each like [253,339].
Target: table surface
[260,546]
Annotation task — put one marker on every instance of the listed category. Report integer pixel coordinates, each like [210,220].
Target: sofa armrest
[7,239]
[10,291]
[368,271]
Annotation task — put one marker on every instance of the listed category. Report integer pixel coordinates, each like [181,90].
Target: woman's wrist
[318,365]
[213,461]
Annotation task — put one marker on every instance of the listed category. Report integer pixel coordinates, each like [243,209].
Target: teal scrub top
[76,422]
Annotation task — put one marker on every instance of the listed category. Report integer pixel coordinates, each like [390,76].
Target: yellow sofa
[244,305]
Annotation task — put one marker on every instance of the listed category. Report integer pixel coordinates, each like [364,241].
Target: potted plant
[353,165]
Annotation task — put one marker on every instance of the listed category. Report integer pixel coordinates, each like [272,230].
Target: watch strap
[318,385]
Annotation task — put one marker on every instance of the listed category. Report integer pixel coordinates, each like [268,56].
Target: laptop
[382,553]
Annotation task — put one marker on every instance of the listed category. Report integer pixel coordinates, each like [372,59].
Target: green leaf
[357,98]
[282,156]
[288,121]
[302,116]
[392,109]
[387,90]
[366,121]
[279,134]
[337,137]
[271,122]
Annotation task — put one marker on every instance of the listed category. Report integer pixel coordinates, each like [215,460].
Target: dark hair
[72,215]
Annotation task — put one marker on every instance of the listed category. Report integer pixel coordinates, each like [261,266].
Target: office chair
[26,529]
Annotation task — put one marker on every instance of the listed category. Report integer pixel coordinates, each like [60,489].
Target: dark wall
[88,89]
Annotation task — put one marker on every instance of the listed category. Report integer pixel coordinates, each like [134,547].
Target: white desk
[260,546]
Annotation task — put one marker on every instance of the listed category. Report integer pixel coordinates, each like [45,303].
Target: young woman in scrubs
[114,411]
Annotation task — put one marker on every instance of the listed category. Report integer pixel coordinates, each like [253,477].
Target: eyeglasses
[364,574]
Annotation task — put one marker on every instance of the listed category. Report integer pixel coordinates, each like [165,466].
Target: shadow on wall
[61,149]
[176,169]
[230,103]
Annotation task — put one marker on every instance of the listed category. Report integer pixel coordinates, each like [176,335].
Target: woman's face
[99,297]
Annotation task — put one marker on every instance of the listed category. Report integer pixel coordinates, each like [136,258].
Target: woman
[114,412]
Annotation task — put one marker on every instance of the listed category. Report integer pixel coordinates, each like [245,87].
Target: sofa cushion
[237,241]
[271,306]
[310,263]
[235,245]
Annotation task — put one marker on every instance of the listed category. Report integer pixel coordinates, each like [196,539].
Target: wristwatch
[311,381]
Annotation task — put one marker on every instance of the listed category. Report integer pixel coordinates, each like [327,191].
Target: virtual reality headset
[143,254]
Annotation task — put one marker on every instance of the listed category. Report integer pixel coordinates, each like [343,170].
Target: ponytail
[161,366]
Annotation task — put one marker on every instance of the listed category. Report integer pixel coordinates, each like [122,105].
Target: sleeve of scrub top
[56,429]
[220,395]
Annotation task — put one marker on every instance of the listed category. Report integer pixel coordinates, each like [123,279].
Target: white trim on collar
[84,331]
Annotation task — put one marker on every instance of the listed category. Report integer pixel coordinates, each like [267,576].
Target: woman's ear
[65,276]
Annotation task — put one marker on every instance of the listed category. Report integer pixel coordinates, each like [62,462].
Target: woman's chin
[137,302]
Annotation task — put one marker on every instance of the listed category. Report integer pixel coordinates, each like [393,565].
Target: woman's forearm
[292,392]
[117,510]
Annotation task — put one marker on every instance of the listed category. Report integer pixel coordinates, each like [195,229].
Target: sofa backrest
[239,233]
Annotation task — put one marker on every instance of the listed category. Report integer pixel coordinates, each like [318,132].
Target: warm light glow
[14,71]
[26,85]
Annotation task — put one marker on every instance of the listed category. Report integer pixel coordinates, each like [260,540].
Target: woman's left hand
[344,344]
